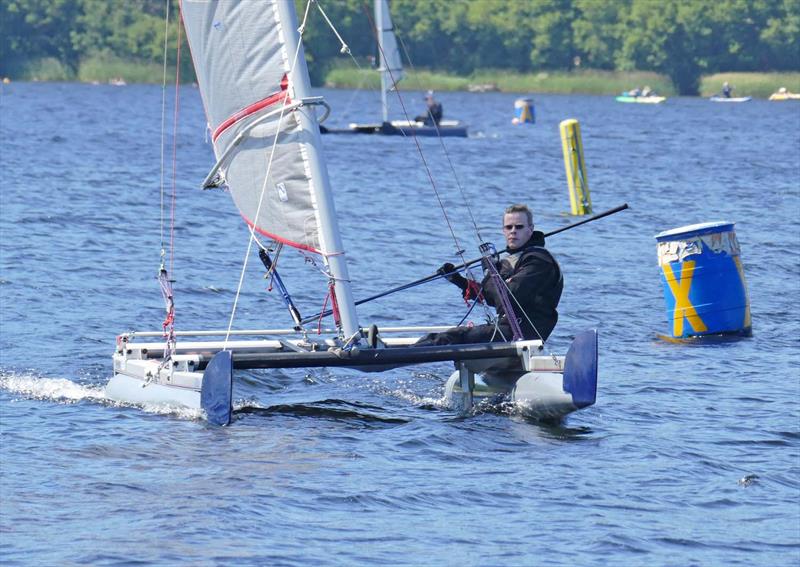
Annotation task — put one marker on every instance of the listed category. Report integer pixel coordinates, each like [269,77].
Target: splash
[35,387]
[62,390]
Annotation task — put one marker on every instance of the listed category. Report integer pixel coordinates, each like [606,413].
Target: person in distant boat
[647,91]
[726,90]
[531,277]
[634,92]
[433,114]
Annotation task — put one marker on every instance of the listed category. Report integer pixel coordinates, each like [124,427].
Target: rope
[164,126]
[459,250]
[444,149]
[175,151]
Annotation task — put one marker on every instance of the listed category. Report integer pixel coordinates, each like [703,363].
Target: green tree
[597,31]
[32,29]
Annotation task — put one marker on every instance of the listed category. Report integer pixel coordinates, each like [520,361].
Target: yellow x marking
[683,307]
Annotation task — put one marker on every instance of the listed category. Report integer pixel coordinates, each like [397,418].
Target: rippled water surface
[691,455]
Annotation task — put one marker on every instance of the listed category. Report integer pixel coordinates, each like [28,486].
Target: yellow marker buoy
[575,166]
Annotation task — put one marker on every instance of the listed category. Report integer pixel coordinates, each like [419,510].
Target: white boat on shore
[730,98]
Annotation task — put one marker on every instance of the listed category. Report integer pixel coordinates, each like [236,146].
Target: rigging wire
[175,150]
[345,49]
[459,250]
[444,149]
[163,125]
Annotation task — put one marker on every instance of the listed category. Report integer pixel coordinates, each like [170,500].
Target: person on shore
[532,279]
[433,114]
[726,90]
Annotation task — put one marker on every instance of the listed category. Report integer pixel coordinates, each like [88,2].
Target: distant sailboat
[391,70]
[255,87]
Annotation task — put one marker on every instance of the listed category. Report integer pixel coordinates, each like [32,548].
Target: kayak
[730,99]
[784,96]
[641,99]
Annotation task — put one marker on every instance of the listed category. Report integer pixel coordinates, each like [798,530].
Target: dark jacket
[432,116]
[534,279]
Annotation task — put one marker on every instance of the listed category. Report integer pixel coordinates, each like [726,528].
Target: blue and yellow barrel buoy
[577,182]
[524,111]
[704,286]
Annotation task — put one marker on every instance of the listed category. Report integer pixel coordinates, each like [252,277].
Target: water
[691,455]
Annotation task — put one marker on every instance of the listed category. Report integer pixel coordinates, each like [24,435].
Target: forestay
[242,63]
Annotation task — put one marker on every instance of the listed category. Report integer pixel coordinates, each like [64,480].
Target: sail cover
[390,54]
[242,67]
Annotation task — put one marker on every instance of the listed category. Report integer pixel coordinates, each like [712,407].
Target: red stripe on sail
[286,241]
[252,109]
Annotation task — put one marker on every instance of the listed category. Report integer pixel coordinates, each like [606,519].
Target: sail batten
[243,68]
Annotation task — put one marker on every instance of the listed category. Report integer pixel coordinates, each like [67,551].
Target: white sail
[391,65]
[242,64]
[390,60]
[251,69]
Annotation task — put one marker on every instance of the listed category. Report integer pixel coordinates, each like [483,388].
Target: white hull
[542,386]
[730,99]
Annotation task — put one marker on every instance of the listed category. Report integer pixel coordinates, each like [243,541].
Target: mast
[330,239]
[390,62]
[384,65]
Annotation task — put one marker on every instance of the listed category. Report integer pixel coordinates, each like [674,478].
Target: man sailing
[532,281]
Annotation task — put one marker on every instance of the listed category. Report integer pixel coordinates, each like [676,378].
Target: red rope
[334,305]
[324,305]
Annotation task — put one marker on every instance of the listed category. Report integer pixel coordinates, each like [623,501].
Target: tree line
[683,39]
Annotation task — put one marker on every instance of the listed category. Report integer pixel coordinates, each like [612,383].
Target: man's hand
[447,270]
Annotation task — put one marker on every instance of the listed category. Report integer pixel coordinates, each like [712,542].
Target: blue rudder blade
[580,369]
[217,390]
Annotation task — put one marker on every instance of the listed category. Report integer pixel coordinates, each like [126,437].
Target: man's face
[516,229]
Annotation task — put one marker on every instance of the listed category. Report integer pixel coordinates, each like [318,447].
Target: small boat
[641,99]
[784,96]
[730,98]
[445,128]
[253,77]
[391,70]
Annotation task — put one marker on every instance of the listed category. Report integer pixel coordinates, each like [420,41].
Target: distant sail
[390,61]
[242,67]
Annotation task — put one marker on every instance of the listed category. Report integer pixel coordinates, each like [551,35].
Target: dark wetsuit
[534,279]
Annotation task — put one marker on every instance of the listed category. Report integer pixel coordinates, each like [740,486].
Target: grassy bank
[759,85]
[98,68]
[588,82]
[101,68]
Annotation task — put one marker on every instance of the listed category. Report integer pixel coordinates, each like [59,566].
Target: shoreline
[585,81]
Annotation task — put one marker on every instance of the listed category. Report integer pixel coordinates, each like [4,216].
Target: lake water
[691,455]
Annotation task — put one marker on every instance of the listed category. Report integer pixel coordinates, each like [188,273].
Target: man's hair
[518,208]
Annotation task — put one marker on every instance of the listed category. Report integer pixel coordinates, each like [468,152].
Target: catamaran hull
[553,387]
[142,381]
[402,128]
[137,390]
[539,395]
[199,375]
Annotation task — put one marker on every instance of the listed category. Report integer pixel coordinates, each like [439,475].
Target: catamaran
[391,70]
[254,83]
